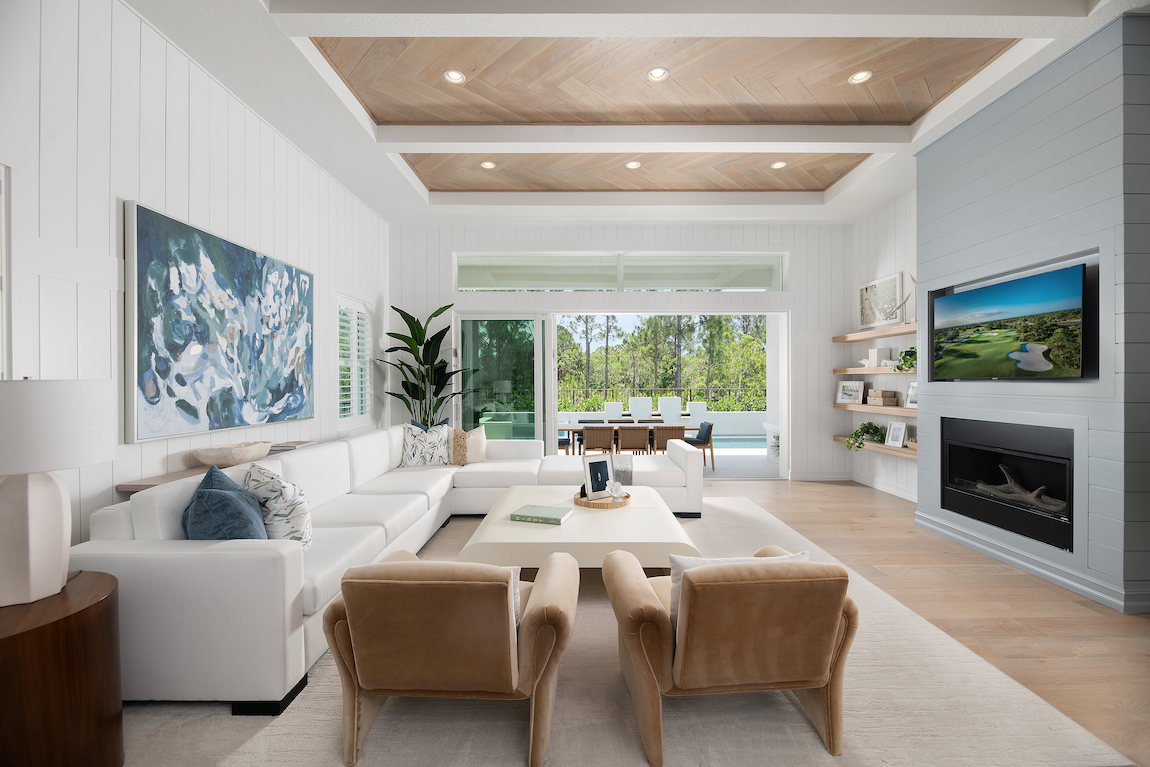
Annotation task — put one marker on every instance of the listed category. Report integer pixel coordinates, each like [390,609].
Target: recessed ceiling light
[487,164]
[858,78]
[779,164]
[633,164]
[455,77]
[658,74]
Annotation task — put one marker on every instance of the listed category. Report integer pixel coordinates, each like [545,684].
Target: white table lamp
[45,426]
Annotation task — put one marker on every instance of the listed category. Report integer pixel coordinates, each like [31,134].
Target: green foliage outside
[980,350]
[717,359]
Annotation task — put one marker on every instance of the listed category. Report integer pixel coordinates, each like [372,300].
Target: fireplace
[1016,477]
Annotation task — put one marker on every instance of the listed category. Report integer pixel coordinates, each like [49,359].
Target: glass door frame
[546,402]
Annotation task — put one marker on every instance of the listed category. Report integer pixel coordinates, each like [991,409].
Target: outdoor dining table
[578,427]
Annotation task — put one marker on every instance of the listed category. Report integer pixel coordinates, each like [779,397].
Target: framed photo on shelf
[849,393]
[598,473]
[912,395]
[880,302]
[896,434]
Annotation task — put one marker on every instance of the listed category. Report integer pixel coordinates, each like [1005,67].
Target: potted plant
[426,380]
[865,429]
[906,360]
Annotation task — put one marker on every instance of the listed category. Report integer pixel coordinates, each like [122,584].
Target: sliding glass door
[505,381]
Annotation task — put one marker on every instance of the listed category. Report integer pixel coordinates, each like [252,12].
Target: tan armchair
[741,627]
[407,627]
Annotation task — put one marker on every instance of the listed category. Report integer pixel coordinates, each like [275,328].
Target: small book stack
[283,447]
[544,515]
[881,397]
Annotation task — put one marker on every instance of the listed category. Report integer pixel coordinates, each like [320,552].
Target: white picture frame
[880,302]
[896,434]
[849,393]
[598,474]
[912,395]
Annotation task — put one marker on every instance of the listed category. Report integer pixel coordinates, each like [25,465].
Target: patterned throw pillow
[426,448]
[458,447]
[287,513]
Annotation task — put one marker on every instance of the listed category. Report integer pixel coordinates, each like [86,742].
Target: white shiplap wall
[100,108]
[883,244]
[1036,176]
[421,280]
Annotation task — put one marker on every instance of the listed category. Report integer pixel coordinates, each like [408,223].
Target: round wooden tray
[603,503]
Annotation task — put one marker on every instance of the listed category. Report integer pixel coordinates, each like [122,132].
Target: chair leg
[825,710]
[648,704]
[542,709]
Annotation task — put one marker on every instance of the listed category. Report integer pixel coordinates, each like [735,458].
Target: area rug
[914,697]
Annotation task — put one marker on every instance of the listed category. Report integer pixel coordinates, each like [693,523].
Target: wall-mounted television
[1040,326]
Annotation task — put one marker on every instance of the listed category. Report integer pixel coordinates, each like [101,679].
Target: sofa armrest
[644,624]
[548,619]
[514,449]
[205,620]
[770,550]
[690,459]
[112,523]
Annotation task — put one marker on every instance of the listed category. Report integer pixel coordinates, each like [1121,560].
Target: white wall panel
[119,113]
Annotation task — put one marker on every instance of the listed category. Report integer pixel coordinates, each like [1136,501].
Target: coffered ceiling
[556,96]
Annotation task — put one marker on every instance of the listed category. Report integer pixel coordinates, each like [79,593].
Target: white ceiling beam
[870,8]
[671,25]
[582,139]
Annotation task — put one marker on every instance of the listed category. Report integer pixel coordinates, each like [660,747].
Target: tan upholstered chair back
[633,438]
[759,623]
[432,626]
[665,433]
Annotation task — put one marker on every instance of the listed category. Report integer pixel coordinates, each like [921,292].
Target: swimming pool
[737,441]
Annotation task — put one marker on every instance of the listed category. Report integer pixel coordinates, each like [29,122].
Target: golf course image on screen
[1025,328]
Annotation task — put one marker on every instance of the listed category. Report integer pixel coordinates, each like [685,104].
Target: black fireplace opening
[1013,476]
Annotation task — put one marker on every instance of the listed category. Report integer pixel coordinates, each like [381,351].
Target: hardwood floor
[1088,661]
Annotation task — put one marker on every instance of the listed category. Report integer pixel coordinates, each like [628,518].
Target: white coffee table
[646,528]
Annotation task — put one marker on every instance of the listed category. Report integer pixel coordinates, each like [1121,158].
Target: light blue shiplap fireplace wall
[1059,165]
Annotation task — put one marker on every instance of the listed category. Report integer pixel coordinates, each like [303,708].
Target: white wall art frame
[881,302]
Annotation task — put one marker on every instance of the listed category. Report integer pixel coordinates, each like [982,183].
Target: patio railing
[745,399]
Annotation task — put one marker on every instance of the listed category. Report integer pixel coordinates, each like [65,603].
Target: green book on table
[544,515]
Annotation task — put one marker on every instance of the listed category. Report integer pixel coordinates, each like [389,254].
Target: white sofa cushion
[158,512]
[333,550]
[561,470]
[657,471]
[323,471]
[511,449]
[430,481]
[498,473]
[394,513]
[370,456]
[112,523]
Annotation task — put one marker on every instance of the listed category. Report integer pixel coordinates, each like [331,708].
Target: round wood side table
[60,698]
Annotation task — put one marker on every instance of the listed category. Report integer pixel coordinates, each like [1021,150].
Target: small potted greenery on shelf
[865,429]
[906,360]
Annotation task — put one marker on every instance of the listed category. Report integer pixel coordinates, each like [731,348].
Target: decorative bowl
[224,456]
[603,503]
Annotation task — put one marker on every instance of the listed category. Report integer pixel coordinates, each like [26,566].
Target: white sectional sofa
[241,620]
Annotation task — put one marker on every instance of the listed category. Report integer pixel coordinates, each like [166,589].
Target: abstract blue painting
[221,335]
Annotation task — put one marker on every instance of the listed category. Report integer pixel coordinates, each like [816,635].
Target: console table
[60,701]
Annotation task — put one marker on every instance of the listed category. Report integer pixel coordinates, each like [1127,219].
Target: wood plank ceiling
[603,81]
[666,172]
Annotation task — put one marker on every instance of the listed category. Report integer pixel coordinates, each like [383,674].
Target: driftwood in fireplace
[1015,492]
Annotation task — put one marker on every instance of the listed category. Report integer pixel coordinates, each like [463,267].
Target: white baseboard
[888,487]
[1103,593]
[819,476]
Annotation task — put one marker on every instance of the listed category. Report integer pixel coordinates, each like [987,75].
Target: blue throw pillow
[221,510]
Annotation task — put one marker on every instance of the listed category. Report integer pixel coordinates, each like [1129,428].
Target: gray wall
[1035,178]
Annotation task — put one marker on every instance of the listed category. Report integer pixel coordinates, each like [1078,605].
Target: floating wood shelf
[906,412]
[878,371]
[906,329]
[901,452]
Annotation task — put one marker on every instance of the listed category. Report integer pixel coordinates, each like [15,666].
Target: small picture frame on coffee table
[598,474]
[896,434]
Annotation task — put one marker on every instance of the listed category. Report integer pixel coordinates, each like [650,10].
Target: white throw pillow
[426,448]
[477,445]
[680,563]
[287,513]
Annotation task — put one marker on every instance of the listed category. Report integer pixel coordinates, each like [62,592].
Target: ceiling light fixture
[487,164]
[658,74]
[633,164]
[779,164]
[858,78]
[455,77]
